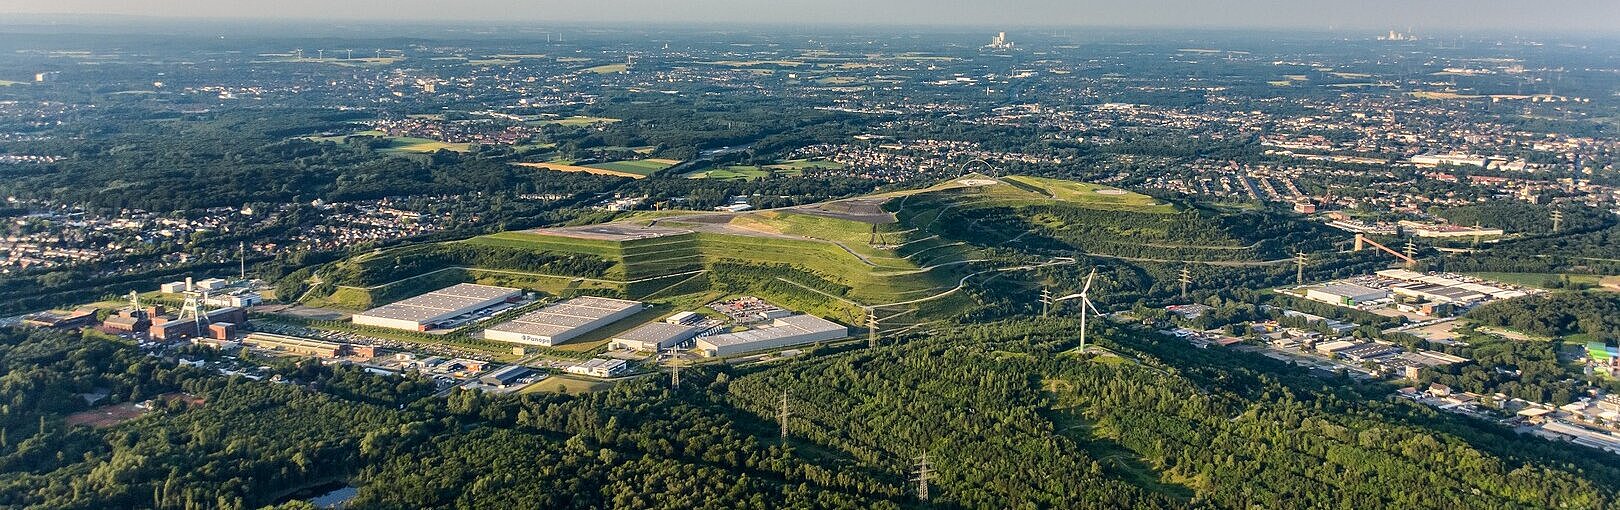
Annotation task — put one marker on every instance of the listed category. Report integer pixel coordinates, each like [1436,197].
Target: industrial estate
[494,266]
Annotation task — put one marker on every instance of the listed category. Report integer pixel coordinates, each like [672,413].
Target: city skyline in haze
[1420,15]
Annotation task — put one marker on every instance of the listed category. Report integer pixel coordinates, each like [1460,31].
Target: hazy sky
[1433,15]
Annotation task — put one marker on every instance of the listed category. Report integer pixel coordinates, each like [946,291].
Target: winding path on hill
[1221,263]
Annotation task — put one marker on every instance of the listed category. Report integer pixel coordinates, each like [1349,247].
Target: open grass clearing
[1095,196]
[567,384]
[608,69]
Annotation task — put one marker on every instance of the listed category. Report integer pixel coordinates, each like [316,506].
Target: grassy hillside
[817,264]
[1055,216]
[906,253]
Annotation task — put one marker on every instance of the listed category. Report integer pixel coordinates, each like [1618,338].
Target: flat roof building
[563,321]
[1334,346]
[600,367]
[422,312]
[653,336]
[783,332]
[1346,294]
[505,376]
[293,344]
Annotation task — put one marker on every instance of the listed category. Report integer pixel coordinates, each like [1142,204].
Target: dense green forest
[1008,413]
[1596,314]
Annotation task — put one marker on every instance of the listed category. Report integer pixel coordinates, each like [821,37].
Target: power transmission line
[1299,259]
[783,414]
[1186,279]
[924,474]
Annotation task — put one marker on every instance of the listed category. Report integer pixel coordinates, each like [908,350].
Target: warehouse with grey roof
[422,312]
[563,321]
[783,332]
[653,336]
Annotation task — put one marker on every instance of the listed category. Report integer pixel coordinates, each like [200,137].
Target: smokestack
[189,286]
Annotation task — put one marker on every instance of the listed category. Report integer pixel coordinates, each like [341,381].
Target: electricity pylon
[1186,279]
[1299,260]
[925,473]
[783,414]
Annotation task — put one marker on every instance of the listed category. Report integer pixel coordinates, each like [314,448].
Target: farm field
[608,69]
[730,172]
[421,145]
[791,167]
[1540,280]
[397,143]
[643,167]
[561,167]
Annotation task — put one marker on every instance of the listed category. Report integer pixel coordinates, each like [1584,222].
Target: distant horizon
[1585,17]
[112,23]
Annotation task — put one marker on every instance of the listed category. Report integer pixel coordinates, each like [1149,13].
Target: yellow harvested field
[574,168]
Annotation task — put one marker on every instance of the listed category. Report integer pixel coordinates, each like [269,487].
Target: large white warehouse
[783,332]
[653,336]
[563,321]
[420,313]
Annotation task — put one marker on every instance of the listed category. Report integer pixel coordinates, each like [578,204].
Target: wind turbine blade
[1086,303]
[1087,288]
[1070,296]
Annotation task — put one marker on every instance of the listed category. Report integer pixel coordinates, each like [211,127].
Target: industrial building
[169,327]
[1431,230]
[222,331]
[53,320]
[563,321]
[1330,348]
[1368,351]
[293,344]
[423,312]
[1446,290]
[653,336]
[1345,294]
[783,332]
[600,367]
[505,376]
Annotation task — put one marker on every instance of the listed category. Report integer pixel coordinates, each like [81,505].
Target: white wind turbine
[1085,306]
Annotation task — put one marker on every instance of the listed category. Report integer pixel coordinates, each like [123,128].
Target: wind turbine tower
[1086,308]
